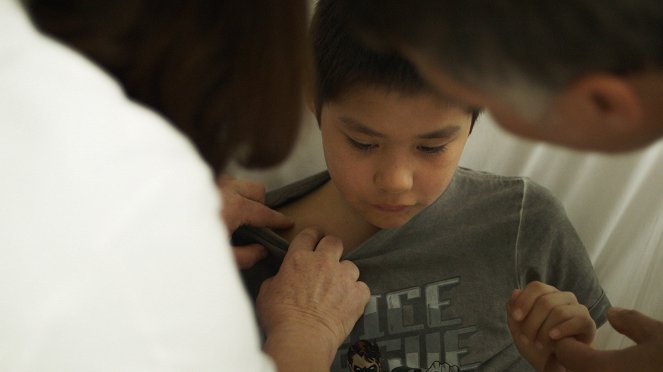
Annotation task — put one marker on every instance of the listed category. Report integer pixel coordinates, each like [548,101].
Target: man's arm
[646,356]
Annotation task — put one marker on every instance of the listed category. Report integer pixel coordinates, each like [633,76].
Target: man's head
[582,73]
[391,143]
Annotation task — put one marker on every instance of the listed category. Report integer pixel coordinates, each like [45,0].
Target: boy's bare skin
[338,218]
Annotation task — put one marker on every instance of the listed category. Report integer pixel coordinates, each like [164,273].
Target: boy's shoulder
[482,190]
[286,194]
[480,180]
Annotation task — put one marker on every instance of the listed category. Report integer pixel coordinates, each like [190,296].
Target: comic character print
[364,356]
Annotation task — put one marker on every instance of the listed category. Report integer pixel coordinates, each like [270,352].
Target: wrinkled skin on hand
[314,293]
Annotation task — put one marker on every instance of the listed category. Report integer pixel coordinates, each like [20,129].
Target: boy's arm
[540,315]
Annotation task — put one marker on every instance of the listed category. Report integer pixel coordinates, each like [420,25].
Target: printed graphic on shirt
[364,356]
[407,330]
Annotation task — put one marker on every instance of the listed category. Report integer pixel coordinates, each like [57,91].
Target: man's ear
[312,107]
[606,102]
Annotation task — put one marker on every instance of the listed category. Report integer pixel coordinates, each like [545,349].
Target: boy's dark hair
[549,42]
[342,62]
[227,73]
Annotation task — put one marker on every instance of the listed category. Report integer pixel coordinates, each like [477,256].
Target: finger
[247,188]
[515,294]
[577,356]
[306,240]
[561,310]
[541,310]
[250,190]
[364,293]
[525,301]
[332,246]
[633,324]
[257,214]
[514,327]
[264,287]
[351,268]
[552,365]
[224,178]
[578,324]
[248,255]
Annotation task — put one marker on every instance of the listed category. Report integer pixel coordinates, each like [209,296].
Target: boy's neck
[327,209]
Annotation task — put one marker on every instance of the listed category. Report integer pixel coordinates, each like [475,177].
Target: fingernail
[518,314]
[615,310]
[524,340]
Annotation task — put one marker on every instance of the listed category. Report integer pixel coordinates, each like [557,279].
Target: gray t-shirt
[440,282]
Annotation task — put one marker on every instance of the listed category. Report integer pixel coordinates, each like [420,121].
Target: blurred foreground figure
[114,119]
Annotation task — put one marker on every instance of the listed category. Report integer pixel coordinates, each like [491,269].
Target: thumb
[632,324]
[248,255]
[552,365]
[253,213]
[260,215]
[578,356]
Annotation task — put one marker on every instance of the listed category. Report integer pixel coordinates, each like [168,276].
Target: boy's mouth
[391,207]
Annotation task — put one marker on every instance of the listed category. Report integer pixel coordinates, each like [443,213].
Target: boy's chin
[390,223]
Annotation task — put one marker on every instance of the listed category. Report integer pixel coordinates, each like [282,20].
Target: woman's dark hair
[342,62]
[227,73]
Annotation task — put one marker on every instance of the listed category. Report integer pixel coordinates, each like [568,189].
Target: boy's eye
[432,149]
[362,146]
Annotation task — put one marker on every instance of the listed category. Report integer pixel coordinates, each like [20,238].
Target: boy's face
[389,154]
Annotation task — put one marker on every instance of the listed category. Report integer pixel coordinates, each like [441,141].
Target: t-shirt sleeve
[549,250]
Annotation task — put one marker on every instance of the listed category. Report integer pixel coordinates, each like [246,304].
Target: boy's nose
[394,178]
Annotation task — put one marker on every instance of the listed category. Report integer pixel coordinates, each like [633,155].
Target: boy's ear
[605,103]
[310,104]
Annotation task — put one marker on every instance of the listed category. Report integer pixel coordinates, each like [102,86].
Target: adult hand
[312,303]
[244,204]
[646,356]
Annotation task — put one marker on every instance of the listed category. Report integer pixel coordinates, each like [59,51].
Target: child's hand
[539,315]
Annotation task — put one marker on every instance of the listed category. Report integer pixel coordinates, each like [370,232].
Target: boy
[439,246]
